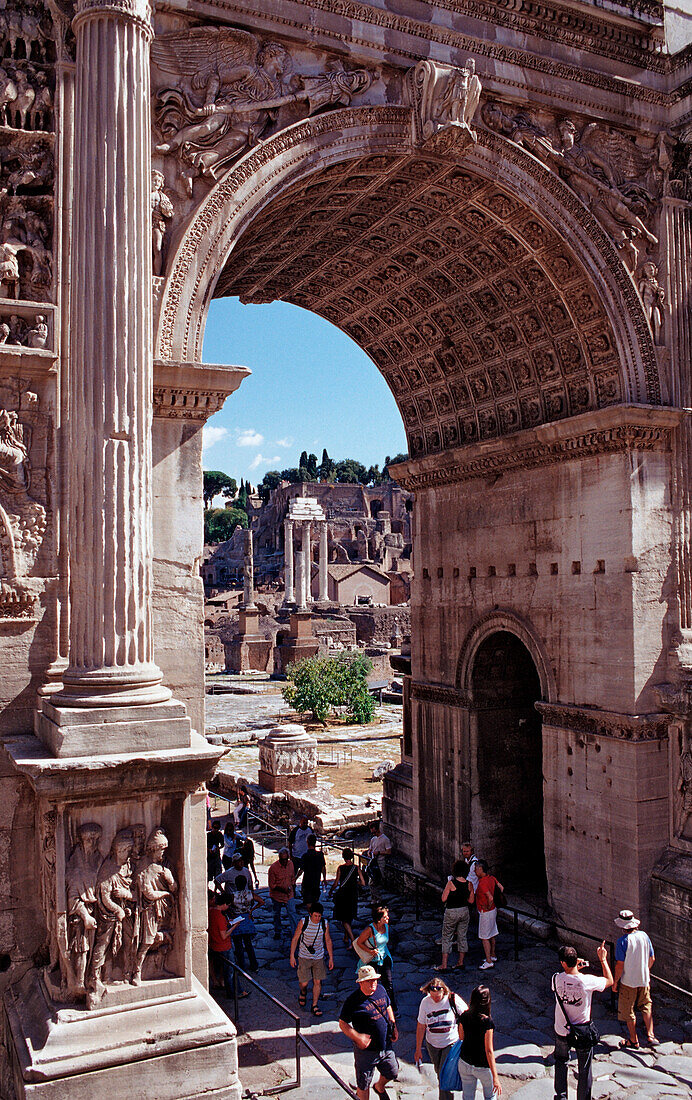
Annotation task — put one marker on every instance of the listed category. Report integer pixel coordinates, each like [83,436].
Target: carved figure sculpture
[24,102]
[23,26]
[4,332]
[9,269]
[8,94]
[161,212]
[444,96]
[37,337]
[40,117]
[155,887]
[81,874]
[235,88]
[114,913]
[653,296]
[14,469]
[35,168]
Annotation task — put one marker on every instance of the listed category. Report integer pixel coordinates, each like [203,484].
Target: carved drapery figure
[444,97]
[9,269]
[155,888]
[14,467]
[685,792]
[114,913]
[161,212]
[232,88]
[81,875]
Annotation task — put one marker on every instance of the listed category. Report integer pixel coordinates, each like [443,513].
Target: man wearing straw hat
[634,957]
[368,1021]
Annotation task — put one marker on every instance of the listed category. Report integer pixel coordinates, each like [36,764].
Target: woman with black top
[456,898]
[477,1058]
[345,894]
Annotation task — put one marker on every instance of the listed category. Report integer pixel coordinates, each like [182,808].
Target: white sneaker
[493,958]
[486,966]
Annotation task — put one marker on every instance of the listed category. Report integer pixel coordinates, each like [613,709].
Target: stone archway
[431,265]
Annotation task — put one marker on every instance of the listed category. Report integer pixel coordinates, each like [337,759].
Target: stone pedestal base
[300,642]
[73,732]
[670,917]
[248,655]
[177,1047]
[288,760]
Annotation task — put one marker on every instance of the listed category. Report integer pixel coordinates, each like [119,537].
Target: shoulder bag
[366,954]
[580,1036]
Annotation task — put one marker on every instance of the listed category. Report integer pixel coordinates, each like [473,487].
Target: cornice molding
[193,391]
[606,431]
[592,722]
[614,46]
[439,693]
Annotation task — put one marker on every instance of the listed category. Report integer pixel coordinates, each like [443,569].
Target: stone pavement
[522,1009]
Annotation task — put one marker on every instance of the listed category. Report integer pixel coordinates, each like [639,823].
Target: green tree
[215,482]
[242,495]
[325,470]
[292,474]
[351,472]
[319,685]
[220,523]
[270,481]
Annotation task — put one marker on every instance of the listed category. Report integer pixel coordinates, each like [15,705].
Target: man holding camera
[573,992]
[311,940]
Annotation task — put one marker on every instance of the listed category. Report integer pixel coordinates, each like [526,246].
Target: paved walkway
[522,1009]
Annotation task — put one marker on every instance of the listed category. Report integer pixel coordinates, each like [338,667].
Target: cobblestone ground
[522,1008]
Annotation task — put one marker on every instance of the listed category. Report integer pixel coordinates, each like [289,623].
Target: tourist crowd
[457,1036]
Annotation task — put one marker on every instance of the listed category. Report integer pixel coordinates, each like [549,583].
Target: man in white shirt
[379,848]
[634,957]
[575,990]
[298,843]
[470,860]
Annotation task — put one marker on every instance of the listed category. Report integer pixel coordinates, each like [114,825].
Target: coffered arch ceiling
[478,315]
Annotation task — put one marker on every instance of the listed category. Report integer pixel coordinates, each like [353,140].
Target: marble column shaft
[111,361]
[288,562]
[679,237]
[307,565]
[324,592]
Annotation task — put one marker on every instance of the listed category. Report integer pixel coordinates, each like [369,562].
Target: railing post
[298,1052]
[516,936]
[235,995]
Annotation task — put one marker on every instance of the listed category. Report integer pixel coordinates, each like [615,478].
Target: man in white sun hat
[368,1021]
[634,957]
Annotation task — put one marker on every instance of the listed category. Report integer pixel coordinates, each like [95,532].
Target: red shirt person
[487,912]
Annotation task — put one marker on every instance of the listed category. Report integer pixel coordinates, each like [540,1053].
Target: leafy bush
[220,523]
[337,684]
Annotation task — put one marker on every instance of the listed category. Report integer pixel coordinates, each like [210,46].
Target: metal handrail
[300,1040]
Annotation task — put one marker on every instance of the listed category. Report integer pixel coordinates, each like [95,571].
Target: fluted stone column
[324,593]
[288,562]
[109,493]
[307,565]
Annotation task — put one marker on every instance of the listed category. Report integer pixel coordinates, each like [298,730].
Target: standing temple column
[248,570]
[109,433]
[307,565]
[324,594]
[289,595]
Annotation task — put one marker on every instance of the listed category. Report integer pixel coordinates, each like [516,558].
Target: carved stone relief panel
[480,317]
[620,177]
[24,460]
[113,905]
[27,95]
[219,90]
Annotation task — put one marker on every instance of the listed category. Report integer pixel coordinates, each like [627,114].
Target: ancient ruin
[495,202]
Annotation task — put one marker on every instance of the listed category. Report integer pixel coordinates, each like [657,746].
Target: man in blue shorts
[368,1021]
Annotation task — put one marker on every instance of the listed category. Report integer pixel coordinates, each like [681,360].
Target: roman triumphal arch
[495,205]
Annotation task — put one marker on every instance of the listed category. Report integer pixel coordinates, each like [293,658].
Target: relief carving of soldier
[114,913]
[236,87]
[155,888]
[81,875]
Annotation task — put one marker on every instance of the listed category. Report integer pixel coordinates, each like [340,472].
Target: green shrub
[319,685]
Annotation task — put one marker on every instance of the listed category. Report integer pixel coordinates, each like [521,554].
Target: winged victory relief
[230,87]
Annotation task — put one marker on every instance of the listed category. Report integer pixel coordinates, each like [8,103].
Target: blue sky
[311,387]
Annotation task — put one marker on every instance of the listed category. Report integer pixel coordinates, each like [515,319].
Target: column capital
[134,11]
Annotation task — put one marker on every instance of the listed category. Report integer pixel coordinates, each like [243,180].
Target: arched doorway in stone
[506,744]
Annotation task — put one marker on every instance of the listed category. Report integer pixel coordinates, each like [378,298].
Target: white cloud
[287,442]
[211,435]
[261,460]
[248,437]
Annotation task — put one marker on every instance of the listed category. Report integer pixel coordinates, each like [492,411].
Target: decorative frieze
[607,432]
[441,694]
[590,721]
